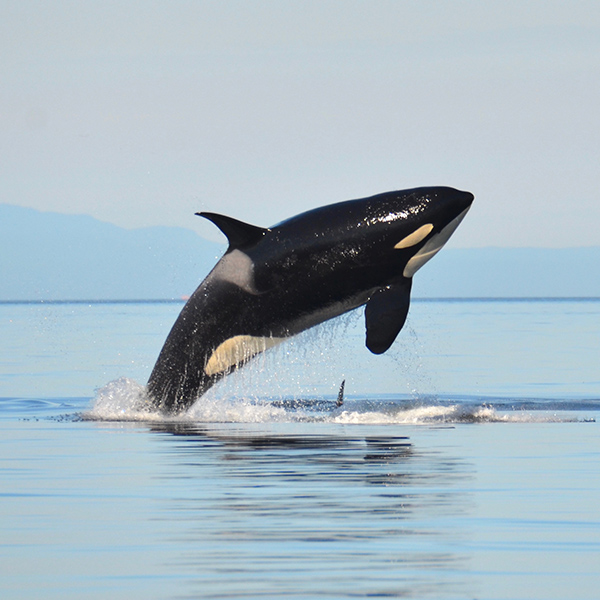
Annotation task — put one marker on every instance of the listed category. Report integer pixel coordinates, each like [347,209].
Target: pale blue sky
[142,113]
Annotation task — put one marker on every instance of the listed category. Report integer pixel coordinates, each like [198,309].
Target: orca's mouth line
[433,245]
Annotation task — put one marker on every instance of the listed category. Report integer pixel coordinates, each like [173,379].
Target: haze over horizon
[51,256]
[143,113]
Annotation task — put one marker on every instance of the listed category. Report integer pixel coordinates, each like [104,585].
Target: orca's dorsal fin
[238,233]
[385,315]
[340,397]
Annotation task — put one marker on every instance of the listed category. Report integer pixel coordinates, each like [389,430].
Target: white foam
[122,400]
[235,410]
[126,400]
[437,414]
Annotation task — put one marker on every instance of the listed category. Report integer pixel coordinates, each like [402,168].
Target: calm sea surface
[464,463]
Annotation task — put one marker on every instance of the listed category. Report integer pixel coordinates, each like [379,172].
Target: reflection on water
[324,515]
[97,510]
[495,494]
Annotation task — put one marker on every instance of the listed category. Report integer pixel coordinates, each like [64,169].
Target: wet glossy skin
[274,283]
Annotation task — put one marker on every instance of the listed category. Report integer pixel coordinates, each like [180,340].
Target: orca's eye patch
[415,237]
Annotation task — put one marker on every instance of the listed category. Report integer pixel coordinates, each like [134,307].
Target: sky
[143,113]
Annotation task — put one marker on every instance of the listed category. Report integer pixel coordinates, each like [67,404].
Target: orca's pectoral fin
[385,315]
[238,233]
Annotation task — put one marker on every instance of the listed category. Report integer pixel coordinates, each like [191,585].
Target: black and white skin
[273,283]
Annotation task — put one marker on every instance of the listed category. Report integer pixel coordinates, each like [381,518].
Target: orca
[273,283]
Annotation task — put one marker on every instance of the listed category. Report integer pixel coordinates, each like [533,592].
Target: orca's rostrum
[274,283]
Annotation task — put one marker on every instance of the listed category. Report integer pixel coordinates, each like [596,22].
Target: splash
[299,380]
[126,400]
[402,413]
[122,400]
[309,365]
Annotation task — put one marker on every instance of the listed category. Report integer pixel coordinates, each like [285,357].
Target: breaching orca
[274,283]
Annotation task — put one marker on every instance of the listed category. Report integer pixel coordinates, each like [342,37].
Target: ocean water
[464,463]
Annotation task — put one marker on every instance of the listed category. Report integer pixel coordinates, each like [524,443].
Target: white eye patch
[415,237]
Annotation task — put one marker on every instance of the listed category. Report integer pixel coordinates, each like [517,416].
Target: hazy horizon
[142,113]
[53,256]
[219,239]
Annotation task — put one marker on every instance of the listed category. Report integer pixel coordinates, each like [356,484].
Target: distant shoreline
[47,257]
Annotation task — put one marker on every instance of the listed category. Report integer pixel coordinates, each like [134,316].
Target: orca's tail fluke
[340,396]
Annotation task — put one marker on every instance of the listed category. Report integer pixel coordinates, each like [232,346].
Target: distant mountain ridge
[51,256]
